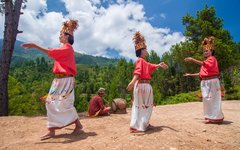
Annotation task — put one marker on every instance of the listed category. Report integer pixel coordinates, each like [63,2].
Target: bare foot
[78,127]
[76,131]
[49,135]
[150,127]
[132,130]
[206,121]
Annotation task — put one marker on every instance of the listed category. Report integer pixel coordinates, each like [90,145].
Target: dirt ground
[176,127]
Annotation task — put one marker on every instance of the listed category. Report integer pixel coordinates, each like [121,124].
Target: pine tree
[11,9]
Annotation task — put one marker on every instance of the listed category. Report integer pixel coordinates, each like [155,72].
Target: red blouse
[144,69]
[64,60]
[95,104]
[209,67]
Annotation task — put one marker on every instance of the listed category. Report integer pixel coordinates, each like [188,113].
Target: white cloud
[36,6]
[96,2]
[1,25]
[100,28]
[42,29]
[162,15]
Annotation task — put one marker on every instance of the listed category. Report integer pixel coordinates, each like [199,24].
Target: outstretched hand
[187,74]
[163,65]
[29,45]
[188,59]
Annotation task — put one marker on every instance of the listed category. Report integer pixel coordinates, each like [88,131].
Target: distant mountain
[20,55]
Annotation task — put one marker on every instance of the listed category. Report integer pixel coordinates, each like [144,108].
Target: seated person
[96,106]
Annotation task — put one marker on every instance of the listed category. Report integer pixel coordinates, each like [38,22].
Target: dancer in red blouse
[60,99]
[143,94]
[210,85]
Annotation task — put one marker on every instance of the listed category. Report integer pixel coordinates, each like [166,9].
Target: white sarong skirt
[212,100]
[142,106]
[60,103]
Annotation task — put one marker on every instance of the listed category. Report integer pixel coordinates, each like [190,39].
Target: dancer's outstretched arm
[190,59]
[191,74]
[33,45]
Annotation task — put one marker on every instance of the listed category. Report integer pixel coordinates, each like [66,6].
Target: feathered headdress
[139,41]
[208,43]
[69,26]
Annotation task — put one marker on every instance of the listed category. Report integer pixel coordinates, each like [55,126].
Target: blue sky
[175,9]
[106,27]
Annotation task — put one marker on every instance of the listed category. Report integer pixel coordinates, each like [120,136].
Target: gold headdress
[139,41]
[208,43]
[69,26]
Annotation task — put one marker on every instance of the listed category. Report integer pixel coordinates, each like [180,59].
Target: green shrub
[181,98]
[234,94]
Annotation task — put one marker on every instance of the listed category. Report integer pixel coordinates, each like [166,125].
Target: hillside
[176,127]
[20,55]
